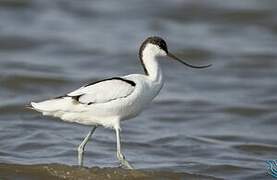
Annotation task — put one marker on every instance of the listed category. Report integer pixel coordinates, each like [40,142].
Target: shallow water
[213,123]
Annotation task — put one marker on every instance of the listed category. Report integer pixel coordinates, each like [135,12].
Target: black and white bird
[110,101]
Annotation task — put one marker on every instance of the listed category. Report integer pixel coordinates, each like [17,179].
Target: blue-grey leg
[81,147]
[119,154]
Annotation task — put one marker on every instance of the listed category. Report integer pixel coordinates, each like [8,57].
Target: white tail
[61,104]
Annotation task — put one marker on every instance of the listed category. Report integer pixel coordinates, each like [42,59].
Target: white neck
[152,66]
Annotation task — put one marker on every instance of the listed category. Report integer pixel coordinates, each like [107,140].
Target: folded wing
[103,91]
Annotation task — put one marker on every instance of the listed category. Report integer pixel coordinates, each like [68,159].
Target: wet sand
[59,172]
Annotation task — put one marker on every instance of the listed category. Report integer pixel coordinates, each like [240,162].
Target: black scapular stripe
[132,83]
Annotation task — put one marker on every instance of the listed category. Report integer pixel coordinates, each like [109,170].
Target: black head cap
[152,40]
[156,41]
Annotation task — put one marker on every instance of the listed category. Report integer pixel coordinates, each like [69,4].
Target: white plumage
[103,103]
[112,100]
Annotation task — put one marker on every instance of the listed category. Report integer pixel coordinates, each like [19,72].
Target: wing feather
[103,91]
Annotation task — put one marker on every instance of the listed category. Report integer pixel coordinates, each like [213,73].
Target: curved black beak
[189,65]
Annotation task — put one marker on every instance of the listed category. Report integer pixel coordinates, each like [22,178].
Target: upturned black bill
[189,65]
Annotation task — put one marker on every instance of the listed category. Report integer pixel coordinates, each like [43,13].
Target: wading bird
[110,101]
